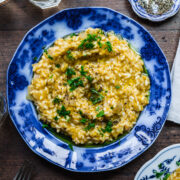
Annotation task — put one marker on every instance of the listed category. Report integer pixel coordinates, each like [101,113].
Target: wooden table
[16,18]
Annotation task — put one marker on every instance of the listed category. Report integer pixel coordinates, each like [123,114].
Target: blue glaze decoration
[45,144]
[141,12]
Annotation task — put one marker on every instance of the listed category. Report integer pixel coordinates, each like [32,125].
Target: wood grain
[16,18]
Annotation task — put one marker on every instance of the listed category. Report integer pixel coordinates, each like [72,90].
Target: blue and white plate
[163,164]
[141,12]
[43,142]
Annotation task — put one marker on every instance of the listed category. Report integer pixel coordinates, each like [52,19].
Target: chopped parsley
[106,91]
[81,113]
[35,58]
[73,34]
[70,72]
[100,114]
[63,112]
[56,100]
[117,87]
[83,120]
[88,42]
[97,109]
[89,78]
[45,126]
[178,163]
[89,126]
[45,50]
[144,69]
[96,97]
[108,46]
[100,44]
[57,65]
[51,76]
[112,107]
[69,55]
[83,73]
[108,127]
[71,146]
[50,57]
[100,132]
[56,118]
[89,45]
[68,118]
[101,31]
[75,83]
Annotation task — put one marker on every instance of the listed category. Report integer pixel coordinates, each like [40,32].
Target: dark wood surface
[16,18]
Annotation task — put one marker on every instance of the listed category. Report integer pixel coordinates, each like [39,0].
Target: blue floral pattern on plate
[46,145]
[141,12]
[164,163]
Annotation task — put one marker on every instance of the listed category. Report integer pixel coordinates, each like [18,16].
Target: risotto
[90,86]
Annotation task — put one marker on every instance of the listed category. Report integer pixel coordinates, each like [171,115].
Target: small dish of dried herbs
[155,10]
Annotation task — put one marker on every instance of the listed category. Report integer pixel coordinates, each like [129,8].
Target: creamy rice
[90,86]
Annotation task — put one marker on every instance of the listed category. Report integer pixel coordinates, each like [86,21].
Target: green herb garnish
[97,109]
[56,118]
[50,57]
[101,31]
[83,73]
[117,87]
[83,120]
[57,65]
[100,132]
[75,83]
[35,58]
[89,78]
[108,127]
[70,72]
[73,34]
[45,50]
[108,46]
[45,126]
[96,97]
[71,146]
[63,112]
[56,100]
[51,76]
[100,114]
[100,44]
[89,126]
[87,43]
[69,55]
[112,107]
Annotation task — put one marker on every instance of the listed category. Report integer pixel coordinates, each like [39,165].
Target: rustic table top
[16,18]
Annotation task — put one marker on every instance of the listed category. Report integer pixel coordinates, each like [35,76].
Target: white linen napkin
[174,112]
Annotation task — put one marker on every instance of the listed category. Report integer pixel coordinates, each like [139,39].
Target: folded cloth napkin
[174,112]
